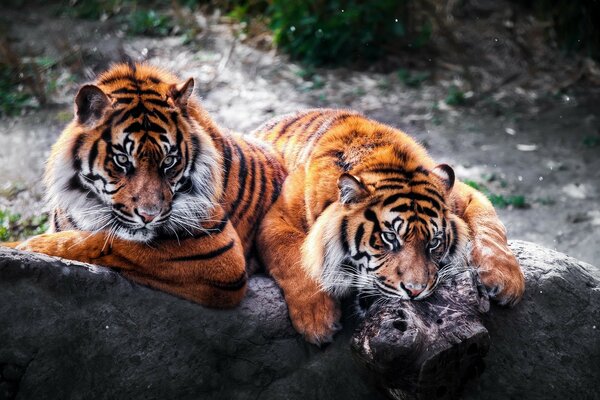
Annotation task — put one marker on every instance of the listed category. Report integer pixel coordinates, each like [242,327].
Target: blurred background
[507,92]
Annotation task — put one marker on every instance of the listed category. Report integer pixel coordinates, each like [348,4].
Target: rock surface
[73,331]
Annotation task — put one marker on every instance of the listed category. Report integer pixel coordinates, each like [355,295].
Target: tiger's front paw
[38,244]
[73,245]
[316,317]
[500,273]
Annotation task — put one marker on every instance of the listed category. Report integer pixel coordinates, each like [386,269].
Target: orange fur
[144,181]
[349,179]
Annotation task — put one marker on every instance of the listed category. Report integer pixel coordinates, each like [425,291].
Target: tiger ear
[90,103]
[446,174]
[181,93]
[352,190]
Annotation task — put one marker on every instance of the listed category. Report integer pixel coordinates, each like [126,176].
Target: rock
[77,331]
[548,346]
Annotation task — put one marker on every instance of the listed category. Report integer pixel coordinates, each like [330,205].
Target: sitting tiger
[144,181]
[365,207]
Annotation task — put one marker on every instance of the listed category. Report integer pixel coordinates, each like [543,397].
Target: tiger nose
[147,214]
[413,289]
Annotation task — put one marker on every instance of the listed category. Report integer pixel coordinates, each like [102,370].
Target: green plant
[455,97]
[412,79]
[12,97]
[574,22]
[498,200]
[91,9]
[591,141]
[149,22]
[337,31]
[14,227]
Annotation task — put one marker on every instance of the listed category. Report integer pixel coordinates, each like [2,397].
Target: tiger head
[391,233]
[134,161]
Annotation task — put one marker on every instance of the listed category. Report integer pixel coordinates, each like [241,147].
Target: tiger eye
[121,160]
[169,161]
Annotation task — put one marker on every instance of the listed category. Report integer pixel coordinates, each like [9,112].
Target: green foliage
[337,31]
[91,9]
[413,80]
[591,141]
[575,23]
[12,98]
[455,97]
[150,23]
[498,200]
[14,227]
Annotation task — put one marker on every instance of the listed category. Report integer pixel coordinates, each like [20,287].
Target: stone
[80,331]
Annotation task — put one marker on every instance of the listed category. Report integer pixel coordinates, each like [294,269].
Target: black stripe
[242,173]
[161,116]
[386,170]
[213,230]
[382,286]
[251,193]
[93,154]
[158,102]
[226,163]
[344,235]
[360,232]
[55,221]
[435,194]
[261,190]
[401,208]
[394,179]
[454,237]
[412,196]
[390,187]
[207,256]
[124,100]
[139,92]
[112,79]
[75,153]
[285,127]
[429,212]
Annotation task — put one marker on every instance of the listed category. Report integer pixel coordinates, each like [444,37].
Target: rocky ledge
[74,331]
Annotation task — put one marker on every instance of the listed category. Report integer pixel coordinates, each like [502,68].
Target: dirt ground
[544,147]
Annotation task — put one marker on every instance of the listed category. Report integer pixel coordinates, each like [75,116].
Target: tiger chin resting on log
[365,207]
[143,180]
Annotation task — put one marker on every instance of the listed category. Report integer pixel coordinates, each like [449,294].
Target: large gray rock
[73,331]
[548,346]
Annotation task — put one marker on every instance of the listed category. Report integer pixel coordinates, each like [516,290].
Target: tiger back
[144,181]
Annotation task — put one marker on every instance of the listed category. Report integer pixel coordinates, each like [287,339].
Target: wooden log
[426,349]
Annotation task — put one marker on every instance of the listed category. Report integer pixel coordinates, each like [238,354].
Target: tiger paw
[500,273]
[316,317]
[37,244]
[72,245]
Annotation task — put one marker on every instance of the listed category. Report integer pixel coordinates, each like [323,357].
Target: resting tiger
[143,180]
[365,207]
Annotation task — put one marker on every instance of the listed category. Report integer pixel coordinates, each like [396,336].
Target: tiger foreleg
[498,267]
[208,270]
[313,312]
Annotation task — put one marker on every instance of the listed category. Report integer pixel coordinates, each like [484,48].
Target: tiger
[364,208]
[142,180]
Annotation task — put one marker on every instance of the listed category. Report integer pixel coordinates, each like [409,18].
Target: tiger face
[391,233]
[132,162]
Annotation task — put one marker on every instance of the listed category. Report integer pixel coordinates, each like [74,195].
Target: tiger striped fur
[144,181]
[365,207]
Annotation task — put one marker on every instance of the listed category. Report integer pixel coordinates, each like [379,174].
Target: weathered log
[426,349]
